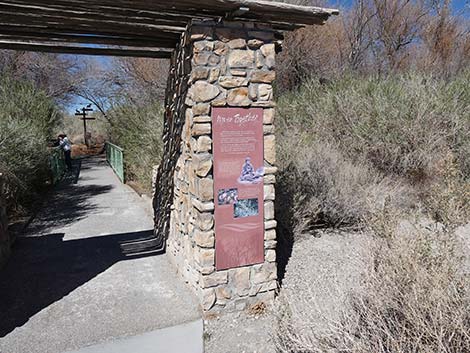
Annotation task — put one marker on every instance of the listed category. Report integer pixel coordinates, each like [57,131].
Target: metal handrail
[57,164]
[115,158]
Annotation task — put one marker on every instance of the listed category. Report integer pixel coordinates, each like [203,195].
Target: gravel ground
[323,268]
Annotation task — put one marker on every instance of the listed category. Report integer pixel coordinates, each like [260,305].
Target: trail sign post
[83,113]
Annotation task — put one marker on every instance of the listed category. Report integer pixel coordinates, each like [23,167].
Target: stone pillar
[217,65]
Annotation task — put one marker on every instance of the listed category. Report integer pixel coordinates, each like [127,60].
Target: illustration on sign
[238,184]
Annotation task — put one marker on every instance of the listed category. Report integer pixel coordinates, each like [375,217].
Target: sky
[459,7]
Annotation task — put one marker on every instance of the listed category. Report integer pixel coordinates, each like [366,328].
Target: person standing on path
[66,146]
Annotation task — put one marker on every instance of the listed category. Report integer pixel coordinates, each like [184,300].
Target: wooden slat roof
[132,27]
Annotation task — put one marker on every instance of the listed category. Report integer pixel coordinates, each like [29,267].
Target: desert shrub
[328,189]
[138,130]
[347,145]
[27,120]
[414,297]
[401,125]
[448,198]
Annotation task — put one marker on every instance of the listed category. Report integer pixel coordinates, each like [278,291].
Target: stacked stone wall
[4,237]
[217,65]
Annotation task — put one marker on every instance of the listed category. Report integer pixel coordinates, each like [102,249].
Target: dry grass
[346,146]
[389,155]
[415,297]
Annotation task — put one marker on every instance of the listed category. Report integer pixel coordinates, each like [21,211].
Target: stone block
[203,144]
[270,224]
[261,76]
[208,298]
[240,280]
[265,92]
[255,43]
[214,279]
[203,45]
[270,234]
[268,50]
[221,99]
[204,220]
[202,206]
[235,72]
[238,43]
[205,257]
[214,74]
[253,92]
[270,170]
[263,273]
[270,149]
[268,210]
[268,116]
[223,295]
[202,164]
[202,119]
[269,192]
[220,48]
[241,58]
[201,58]
[204,239]
[201,109]
[201,129]
[199,73]
[202,91]
[205,189]
[232,82]
[270,244]
[270,255]
[259,59]
[213,60]
[269,179]
[238,97]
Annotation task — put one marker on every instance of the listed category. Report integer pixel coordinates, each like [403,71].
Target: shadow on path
[44,269]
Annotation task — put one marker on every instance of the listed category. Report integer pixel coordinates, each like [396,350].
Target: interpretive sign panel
[238,186]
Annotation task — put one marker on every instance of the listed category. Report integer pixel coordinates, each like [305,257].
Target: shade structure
[133,27]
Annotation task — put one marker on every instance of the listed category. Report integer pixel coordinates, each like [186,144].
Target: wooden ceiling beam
[263,11]
[63,48]
[9,34]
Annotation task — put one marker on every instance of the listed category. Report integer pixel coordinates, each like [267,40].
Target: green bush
[28,120]
[138,130]
[347,145]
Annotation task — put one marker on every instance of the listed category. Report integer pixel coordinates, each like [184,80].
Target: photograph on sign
[227,196]
[246,208]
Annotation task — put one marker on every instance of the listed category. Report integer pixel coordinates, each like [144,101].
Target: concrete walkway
[85,277]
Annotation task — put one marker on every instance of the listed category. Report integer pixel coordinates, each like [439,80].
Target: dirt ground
[325,267]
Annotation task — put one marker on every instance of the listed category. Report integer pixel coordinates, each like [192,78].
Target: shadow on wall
[44,269]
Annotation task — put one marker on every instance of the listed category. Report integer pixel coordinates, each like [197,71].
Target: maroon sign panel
[238,186]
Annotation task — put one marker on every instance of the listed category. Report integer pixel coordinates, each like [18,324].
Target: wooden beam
[8,34]
[50,47]
[264,11]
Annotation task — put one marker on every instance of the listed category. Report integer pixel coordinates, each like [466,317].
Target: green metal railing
[115,158]
[57,164]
